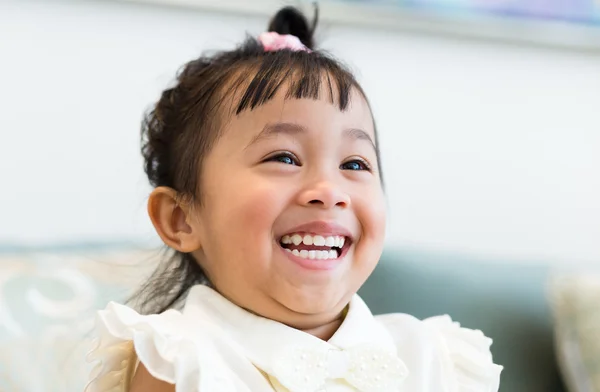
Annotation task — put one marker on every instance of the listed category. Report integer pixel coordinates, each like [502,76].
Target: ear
[173,220]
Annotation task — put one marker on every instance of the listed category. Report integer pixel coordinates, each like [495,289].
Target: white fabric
[215,346]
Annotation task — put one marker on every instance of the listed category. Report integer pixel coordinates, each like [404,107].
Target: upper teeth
[317,240]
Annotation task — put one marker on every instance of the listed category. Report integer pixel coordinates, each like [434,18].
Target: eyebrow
[359,134]
[274,129]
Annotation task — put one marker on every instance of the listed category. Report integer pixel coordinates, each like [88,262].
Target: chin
[317,303]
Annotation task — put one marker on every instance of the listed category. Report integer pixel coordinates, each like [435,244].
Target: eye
[355,164]
[284,157]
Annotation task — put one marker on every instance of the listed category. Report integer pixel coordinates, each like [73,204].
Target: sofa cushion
[48,301]
[576,305]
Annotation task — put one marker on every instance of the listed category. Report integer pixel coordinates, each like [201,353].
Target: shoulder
[464,356]
[167,351]
[143,381]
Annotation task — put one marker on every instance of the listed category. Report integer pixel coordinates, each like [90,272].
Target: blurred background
[488,146]
[488,114]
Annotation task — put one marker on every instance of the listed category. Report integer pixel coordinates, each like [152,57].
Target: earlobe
[173,220]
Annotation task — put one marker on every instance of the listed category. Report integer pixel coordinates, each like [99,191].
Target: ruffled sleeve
[158,341]
[468,357]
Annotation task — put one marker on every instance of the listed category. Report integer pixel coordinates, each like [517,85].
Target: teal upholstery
[507,301]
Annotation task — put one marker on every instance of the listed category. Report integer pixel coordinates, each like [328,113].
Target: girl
[268,191]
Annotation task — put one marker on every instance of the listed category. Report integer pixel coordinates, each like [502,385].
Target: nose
[325,195]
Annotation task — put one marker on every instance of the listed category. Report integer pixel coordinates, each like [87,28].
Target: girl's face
[293,215]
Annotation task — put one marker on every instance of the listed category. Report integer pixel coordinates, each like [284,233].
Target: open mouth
[314,246]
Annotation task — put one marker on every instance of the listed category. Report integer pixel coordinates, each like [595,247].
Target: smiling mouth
[314,246]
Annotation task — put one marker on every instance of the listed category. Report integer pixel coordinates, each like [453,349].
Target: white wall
[488,149]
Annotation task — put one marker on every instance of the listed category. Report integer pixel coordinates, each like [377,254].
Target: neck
[326,331]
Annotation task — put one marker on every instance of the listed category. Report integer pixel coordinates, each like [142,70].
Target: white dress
[216,346]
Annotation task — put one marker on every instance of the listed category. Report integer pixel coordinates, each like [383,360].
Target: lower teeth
[315,254]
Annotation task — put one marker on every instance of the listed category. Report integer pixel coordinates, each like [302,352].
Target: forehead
[308,88]
[315,115]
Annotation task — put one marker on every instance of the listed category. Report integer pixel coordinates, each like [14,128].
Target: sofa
[48,297]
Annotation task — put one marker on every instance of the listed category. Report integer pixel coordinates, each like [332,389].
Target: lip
[321,228]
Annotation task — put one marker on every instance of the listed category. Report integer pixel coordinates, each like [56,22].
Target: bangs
[303,75]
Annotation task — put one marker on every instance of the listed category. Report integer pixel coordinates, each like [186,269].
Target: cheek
[371,212]
[373,216]
[246,218]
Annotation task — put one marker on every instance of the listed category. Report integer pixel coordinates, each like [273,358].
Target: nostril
[315,202]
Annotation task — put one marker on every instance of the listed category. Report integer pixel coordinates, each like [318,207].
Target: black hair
[181,127]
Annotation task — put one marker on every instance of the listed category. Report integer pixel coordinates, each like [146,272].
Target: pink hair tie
[272,42]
